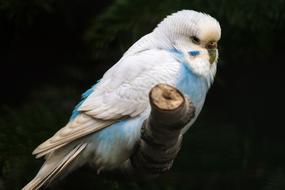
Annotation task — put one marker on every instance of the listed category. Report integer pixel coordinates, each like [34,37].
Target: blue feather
[194,53]
[120,129]
[191,84]
[120,136]
[85,95]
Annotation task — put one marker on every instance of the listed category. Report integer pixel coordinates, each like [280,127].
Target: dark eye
[195,40]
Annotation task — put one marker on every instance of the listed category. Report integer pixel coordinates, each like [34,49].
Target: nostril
[211,45]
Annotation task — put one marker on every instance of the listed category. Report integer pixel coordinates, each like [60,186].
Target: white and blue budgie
[105,126]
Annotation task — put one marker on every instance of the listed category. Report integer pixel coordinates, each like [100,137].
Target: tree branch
[161,134]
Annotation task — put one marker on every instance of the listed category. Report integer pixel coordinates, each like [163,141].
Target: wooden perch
[161,134]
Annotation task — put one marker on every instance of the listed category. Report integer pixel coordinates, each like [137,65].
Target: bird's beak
[212,55]
[212,50]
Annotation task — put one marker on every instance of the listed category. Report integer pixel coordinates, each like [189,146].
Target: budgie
[105,126]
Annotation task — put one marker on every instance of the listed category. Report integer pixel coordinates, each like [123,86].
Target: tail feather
[53,167]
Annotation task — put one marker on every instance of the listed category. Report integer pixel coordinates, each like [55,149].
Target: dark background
[52,51]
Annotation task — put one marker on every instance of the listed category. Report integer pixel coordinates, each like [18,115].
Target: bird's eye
[195,40]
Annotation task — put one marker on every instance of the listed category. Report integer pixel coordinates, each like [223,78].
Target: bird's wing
[81,126]
[122,92]
[54,167]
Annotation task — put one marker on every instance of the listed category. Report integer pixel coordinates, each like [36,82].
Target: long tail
[53,167]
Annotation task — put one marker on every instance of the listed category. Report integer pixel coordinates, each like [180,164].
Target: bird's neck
[206,77]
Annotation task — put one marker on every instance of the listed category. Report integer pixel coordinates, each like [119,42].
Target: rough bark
[161,134]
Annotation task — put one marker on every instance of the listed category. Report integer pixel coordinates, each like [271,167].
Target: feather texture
[105,125]
[125,84]
[81,126]
[54,166]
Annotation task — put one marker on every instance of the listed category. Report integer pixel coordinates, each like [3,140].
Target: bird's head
[196,36]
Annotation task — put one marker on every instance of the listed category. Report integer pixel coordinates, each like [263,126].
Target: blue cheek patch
[194,53]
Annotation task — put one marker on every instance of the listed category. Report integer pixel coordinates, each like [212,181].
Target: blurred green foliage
[236,142]
[125,21]
[24,12]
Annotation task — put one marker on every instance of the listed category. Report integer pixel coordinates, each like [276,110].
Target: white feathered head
[193,34]
[196,35]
